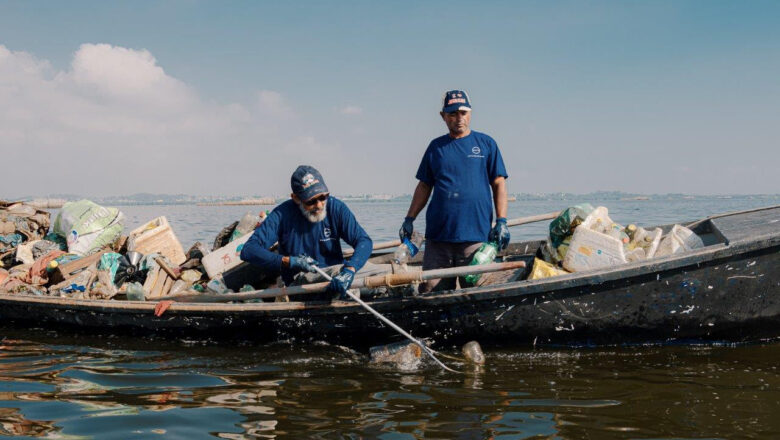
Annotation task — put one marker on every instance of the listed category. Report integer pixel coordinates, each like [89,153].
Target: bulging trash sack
[679,239]
[87,226]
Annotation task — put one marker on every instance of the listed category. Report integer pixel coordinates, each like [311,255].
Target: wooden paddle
[389,280]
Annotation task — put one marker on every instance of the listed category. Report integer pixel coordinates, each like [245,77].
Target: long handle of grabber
[390,323]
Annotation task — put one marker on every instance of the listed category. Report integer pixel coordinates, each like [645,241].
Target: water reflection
[109,389]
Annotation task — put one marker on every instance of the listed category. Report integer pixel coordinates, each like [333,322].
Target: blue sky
[195,97]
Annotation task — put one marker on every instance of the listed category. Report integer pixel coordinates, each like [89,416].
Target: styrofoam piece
[590,249]
[225,258]
[679,239]
[157,236]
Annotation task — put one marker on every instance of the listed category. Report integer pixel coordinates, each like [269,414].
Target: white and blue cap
[307,182]
[455,100]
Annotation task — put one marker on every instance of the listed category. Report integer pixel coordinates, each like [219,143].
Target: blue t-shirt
[460,171]
[297,235]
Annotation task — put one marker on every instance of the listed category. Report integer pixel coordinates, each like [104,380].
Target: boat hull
[728,291]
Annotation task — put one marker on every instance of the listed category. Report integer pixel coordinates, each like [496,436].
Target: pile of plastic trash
[88,255]
[585,238]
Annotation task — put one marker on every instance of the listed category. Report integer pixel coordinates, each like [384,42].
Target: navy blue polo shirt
[460,171]
[297,235]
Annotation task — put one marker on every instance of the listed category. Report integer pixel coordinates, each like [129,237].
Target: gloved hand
[406,228]
[303,262]
[341,282]
[500,234]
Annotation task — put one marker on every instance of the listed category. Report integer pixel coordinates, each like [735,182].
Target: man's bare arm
[420,198]
[499,196]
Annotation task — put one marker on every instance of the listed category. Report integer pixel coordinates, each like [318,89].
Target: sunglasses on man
[313,201]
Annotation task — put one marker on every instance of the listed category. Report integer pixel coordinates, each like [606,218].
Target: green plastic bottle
[485,255]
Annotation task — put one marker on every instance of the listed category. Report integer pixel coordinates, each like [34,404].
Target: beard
[314,217]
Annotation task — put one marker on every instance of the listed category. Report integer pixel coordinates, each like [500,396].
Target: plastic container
[157,236]
[646,240]
[247,224]
[403,352]
[225,258]
[473,352]
[408,249]
[591,249]
[485,255]
[679,239]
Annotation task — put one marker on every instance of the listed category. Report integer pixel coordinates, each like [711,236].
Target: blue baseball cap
[307,182]
[455,100]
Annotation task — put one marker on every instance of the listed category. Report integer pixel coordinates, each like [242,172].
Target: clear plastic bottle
[408,249]
[485,255]
[135,292]
[473,352]
[247,224]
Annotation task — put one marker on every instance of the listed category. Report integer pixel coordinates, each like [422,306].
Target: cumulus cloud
[115,122]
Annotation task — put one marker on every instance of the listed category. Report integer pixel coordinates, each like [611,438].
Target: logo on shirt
[475,152]
[326,233]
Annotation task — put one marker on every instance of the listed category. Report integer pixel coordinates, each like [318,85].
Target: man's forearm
[420,198]
[499,197]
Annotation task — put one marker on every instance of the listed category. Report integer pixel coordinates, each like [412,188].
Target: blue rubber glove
[406,228]
[303,263]
[500,234]
[341,282]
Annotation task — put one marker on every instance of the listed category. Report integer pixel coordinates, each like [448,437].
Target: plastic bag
[87,226]
[563,225]
[543,269]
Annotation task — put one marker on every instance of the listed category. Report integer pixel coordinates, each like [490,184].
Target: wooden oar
[389,280]
[532,219]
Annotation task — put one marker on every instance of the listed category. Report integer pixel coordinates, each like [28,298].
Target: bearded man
[309,228]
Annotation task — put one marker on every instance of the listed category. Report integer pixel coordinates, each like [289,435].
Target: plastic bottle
[135,292]
[408,249]
[485,255]
[402,352]
[247,224]
[630,230]
[473,352]
[217,285]
[616,231]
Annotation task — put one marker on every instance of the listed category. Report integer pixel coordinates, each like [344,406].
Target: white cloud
[116,123]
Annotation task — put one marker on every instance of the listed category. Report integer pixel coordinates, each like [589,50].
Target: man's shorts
[443,255]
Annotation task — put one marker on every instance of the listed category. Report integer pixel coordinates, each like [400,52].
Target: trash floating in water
[473,352]
[405,355]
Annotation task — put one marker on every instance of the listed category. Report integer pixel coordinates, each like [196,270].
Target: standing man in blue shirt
[309,228]
[466,174]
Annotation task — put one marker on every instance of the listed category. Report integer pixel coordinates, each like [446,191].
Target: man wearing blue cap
[309,228]
[466,174]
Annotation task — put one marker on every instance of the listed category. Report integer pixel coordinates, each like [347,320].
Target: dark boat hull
[727,291]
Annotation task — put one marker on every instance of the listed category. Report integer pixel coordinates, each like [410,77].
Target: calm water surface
[77,386]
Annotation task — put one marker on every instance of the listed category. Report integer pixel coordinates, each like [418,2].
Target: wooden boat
[727,291]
